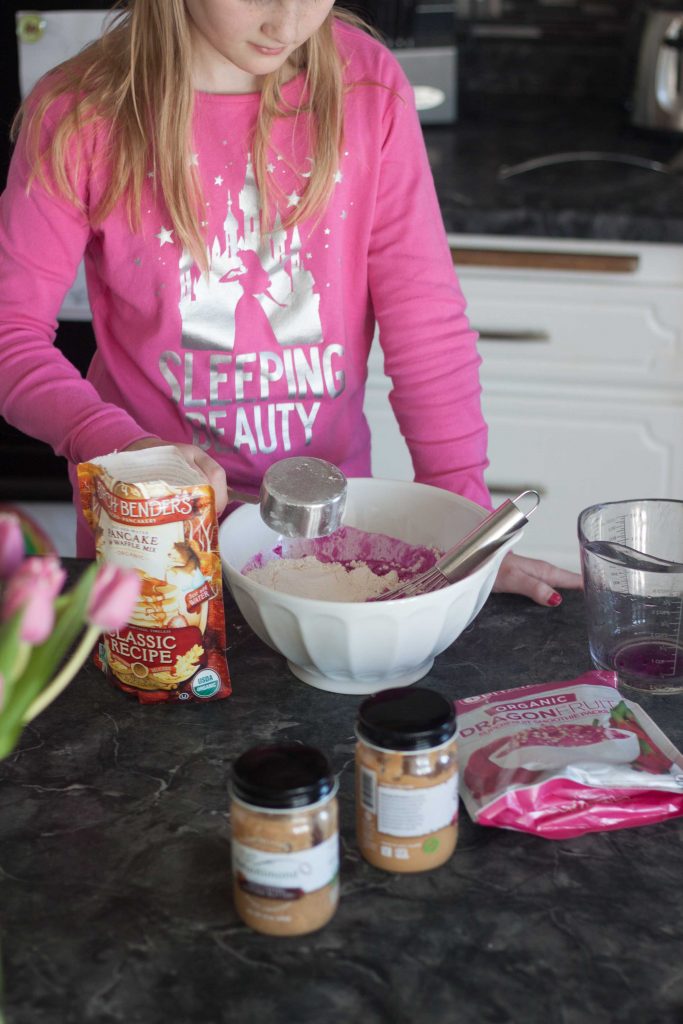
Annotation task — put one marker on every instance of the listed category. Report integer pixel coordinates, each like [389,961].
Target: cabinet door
[390,456]
[579,451]
[581,332]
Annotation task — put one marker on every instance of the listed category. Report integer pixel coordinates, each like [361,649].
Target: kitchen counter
[115,884]
[598,200]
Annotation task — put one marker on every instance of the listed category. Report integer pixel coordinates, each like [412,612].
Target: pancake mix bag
[563,759]
[151,512]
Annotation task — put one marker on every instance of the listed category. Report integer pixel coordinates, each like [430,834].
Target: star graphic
[150,174]
[293,199]
[327,231]
[270,168]
[338,178]
[343,215]
[194,159]
[218,180]
[165,235]
[309,255]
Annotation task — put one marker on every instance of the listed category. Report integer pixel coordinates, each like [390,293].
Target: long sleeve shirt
[266,355]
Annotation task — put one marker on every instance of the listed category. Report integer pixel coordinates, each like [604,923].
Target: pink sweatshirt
[267,357]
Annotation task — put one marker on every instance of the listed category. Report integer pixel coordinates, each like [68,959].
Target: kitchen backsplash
[562,49]
[557,48]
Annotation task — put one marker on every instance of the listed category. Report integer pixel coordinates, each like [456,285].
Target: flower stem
[65,675]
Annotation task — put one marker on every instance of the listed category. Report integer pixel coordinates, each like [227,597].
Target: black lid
[410,718]
[282,775]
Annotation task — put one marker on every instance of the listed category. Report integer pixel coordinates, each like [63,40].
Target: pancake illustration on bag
[150,511]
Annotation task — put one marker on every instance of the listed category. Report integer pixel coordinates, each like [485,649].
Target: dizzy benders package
[151,512]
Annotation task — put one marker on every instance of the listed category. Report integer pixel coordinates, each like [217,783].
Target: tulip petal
[32,590]
[113,597]
[11,544]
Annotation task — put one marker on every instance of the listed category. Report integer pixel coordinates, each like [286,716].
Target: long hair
[135,84]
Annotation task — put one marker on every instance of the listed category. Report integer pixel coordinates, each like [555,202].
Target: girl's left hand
[534,579]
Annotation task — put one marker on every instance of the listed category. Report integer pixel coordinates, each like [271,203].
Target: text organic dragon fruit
[562,759]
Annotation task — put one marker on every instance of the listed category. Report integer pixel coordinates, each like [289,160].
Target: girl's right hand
[196,458]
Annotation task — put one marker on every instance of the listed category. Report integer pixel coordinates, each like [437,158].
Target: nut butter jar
[285,839]
[406,780]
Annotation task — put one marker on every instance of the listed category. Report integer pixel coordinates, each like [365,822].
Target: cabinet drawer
[581,331]
[577,453]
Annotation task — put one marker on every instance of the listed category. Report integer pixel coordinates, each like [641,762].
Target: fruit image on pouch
[556,746]
[406,780]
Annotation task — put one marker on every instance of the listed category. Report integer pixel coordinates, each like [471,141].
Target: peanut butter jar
[285,839]
[406,780]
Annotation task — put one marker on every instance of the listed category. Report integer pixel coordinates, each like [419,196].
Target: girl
[248,184]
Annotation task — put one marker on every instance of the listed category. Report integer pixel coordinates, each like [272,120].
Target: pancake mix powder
[151,512]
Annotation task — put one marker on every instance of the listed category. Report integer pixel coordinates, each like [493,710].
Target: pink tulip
[33,588]
[11,544]
[113,597]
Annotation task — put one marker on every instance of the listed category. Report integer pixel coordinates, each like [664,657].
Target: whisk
[469,552]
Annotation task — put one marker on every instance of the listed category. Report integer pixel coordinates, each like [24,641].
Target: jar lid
[410,718]
[282,775]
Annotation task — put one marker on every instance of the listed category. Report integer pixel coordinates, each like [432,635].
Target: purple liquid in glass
[650,665]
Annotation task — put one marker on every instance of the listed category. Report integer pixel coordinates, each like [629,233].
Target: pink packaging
[563,759]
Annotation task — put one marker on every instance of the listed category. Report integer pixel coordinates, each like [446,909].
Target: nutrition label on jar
[411,812]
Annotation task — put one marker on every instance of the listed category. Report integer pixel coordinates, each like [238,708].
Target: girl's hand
[196,458]
[534,579]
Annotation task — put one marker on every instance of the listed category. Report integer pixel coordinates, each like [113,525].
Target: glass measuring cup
[632,565]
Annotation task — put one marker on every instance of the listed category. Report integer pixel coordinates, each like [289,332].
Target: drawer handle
[504,491]
[521,335]
[528,259]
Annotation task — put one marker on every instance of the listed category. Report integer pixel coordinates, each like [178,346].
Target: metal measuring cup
[300,497]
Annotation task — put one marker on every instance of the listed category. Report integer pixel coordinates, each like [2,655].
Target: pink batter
[349,565]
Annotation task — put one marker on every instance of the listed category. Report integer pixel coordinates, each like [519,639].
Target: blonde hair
[134,83]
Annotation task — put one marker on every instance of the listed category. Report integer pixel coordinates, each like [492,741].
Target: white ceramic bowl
[358,648]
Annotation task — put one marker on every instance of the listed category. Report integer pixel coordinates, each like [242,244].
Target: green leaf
[44,662]
[10,646]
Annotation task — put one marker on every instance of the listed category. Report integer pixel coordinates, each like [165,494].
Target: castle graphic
[258,291]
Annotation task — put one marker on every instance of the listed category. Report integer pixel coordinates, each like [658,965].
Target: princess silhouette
[251,320]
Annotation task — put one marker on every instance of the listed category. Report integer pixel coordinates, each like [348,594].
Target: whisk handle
[465,556]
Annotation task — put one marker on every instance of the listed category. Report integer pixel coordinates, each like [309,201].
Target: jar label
[410,812]
[285,876]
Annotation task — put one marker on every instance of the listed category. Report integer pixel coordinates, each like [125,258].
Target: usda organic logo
[205,683]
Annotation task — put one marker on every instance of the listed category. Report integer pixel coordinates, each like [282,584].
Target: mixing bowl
[359,648]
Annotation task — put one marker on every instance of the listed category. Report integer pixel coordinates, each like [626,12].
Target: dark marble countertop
[597,200]
[115,869]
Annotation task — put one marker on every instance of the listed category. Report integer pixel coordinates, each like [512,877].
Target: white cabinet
[582,375]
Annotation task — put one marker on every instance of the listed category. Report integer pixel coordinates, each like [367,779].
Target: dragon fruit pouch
[562,759]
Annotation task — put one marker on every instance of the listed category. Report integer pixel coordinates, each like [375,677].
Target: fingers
[214,473]
[195,457]
[547,572]
[534,579]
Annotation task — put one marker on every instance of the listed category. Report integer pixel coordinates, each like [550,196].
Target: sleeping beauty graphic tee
[264,356]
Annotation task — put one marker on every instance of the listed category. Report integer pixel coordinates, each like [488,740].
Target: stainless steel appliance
[433,74]
[658,94]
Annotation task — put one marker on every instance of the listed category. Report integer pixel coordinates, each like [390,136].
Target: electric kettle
[658,94]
